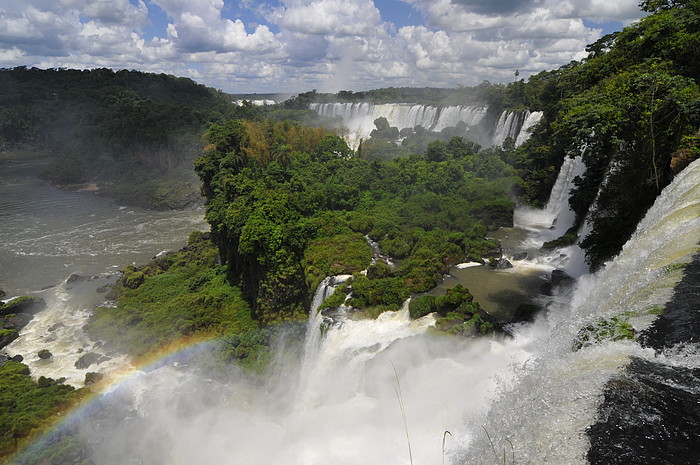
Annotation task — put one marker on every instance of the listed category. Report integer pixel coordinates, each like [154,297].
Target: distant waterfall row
[358,119]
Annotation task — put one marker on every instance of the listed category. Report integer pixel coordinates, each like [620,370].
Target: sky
[293,46]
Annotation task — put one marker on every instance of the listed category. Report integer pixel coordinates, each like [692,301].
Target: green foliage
[283,227]
[339,254]
[23,304]
[421,306]
[338,297]
[134,134]
[27,407]
[615,328]
[180,294]
[632,109]
[249,349]
[568,238]
[459,314]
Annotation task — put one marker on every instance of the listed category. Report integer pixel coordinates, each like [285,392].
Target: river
[49,234]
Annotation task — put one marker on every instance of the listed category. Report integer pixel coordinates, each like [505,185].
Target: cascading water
[358,118]
[552,222]
[545,414]
[531,119]
[533,392]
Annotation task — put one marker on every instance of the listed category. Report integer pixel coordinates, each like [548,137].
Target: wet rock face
[16,321]
[650,415]
[680,322]
[30,305]
[90,358]
[7,336]
[561,277]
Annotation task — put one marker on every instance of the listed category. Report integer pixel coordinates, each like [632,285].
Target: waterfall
[312,343]
[358,118]
[530,120]
[516,125]
[451,116]
[531,392]
[545,412]
[556,213]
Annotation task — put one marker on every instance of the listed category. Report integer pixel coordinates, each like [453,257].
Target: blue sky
[296,45]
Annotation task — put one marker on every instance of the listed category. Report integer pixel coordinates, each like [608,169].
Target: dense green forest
[289,203]
[134,134]
[631,109]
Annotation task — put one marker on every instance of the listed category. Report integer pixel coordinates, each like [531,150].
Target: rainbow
[67,420]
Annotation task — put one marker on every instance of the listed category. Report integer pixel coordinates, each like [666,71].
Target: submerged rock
[44,354]
[88,359]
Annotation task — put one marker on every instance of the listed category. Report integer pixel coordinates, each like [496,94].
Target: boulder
[503,264]
[520,256]
[16,321]
[75,278]
[44,354]
[7,336]
[525,312]
[92,378]
[30,305]
[88,359]
[561,278]
[56,326]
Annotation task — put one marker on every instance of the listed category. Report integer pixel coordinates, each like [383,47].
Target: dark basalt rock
[7,336]
[525,312]
[16,321]
[30,305]
[650,415]
[4,358]
[103,289]
[680,321]
[44,354]
[75,278]
[561,277]
[88,359]
[2,293]
[519,256]
[503,264]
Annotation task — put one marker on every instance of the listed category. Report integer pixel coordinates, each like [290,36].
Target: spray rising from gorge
[334,399]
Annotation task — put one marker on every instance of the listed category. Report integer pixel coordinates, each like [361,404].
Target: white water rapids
[528,398]
[47,235]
